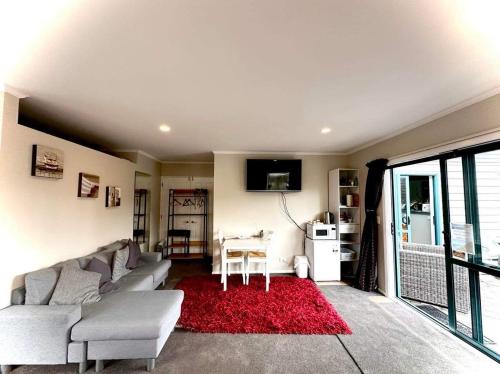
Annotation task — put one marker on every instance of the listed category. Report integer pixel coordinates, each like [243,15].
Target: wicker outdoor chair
[423,276]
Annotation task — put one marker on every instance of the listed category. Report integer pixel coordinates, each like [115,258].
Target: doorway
[448,264]
[419,207]
[190,221]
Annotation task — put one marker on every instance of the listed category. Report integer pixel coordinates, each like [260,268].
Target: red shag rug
[292,306]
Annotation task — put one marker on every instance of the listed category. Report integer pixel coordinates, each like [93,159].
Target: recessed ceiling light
[325,130]
[164,128]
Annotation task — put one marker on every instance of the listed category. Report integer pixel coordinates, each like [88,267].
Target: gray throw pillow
[133,255]
[76,286]
[120,264]
[119,244]
[40,285]
[106,256]
[98,266]
[72,262]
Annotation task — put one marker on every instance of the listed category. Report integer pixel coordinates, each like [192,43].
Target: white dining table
[247,244]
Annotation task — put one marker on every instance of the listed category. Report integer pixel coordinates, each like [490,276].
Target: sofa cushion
[76,286]
[150,257]
[18,296]
[156,269]
[116,245]
[106,256]
[70,262]
[98,266]
[133,255]
[128,316]
[120,264]
[135,282]
[40,285]
[85,260]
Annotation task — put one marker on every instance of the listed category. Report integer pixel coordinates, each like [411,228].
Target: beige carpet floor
[388,337]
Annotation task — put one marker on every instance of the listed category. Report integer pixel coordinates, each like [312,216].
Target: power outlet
[282,259]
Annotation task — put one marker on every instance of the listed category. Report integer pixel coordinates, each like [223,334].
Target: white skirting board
[287,271]
[331,283]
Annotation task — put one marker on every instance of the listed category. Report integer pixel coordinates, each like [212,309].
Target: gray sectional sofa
[131,322]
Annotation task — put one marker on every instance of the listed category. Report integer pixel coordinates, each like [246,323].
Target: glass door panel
[461,290]
[456,200]
[418,225]
[490,310]
[488,195]
[458,225]
[487,178]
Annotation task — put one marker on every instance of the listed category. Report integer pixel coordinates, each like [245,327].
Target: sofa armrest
[149,257]
[36,334]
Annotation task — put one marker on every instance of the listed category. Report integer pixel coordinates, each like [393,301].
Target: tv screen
[274,175]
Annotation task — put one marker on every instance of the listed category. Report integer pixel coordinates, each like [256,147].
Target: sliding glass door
[447,241]
[419,238]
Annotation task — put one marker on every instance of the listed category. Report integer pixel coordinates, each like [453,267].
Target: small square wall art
[88,185]
[47,162]
[113,196]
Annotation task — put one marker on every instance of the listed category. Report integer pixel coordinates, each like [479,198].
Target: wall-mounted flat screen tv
[274,175]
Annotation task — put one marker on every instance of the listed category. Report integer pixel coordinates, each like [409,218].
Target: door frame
[398,219]
[434,185]
[164,203]
[472,216]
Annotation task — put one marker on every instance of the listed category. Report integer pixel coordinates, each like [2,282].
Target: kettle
[328,218]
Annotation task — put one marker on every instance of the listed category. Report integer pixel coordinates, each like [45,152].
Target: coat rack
[187,225]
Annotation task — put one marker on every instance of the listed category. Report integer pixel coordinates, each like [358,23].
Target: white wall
[185,169]
[238,211]
[42,221]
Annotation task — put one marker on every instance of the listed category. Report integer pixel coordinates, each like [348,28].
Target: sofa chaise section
[41,334]
[126,325]
[36,334]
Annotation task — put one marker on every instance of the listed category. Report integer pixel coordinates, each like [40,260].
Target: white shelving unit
[343,182]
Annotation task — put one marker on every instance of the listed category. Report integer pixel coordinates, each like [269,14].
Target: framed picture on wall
[88,185]
[113,196]
[47,162]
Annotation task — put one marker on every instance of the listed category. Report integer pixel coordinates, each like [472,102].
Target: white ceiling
[247,75]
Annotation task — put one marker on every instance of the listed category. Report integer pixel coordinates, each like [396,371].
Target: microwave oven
[320,231]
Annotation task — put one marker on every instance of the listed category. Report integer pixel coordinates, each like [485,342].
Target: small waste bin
[301,264]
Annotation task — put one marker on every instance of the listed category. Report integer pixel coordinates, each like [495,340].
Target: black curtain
[366,275]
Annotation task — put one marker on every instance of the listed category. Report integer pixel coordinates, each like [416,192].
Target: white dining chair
[260,257]
[228,258]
